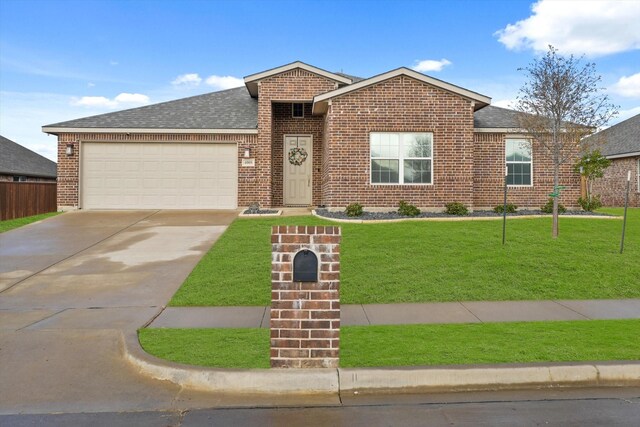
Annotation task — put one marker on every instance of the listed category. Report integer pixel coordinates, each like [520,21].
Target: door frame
[284,167]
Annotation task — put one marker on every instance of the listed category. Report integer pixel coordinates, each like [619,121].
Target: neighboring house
[298,135]
[20,164]
[620,144]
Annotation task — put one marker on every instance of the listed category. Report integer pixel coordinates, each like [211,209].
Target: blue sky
[61,60]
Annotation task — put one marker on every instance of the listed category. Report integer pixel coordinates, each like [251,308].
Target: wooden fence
[20,199]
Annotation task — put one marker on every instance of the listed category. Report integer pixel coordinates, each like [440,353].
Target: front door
[298,159]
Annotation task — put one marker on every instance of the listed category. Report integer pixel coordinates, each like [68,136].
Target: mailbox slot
[305,266]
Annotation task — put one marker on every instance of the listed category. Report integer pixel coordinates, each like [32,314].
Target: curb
[372,380]
[456,218]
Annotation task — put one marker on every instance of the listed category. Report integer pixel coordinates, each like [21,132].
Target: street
[558,407]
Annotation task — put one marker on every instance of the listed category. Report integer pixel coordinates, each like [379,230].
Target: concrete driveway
[71,284]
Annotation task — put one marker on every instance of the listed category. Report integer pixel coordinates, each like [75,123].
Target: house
[298,135]
[20,164]
[620,144]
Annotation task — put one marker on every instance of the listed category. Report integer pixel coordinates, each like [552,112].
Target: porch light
[247,152]
[69,150]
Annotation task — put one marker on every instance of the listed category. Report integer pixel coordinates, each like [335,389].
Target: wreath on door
[297,156]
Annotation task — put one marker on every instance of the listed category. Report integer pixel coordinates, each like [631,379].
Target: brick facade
[69,166]
[285,124]
[488,180]
[467,166]
[424,108]
[612,186]
[296,85]
[305,316]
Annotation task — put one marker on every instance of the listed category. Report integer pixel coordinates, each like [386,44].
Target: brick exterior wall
[305,316]
[69,170]
[400,104]
[292,86]
[488,180]
[612,186]
[285,124]
[467,166]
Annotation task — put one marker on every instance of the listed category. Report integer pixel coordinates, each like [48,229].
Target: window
[19,179]
[519,164]
[297,110]
[401,158]
[638,175]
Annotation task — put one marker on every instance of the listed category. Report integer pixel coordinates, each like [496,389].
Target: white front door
[298,159]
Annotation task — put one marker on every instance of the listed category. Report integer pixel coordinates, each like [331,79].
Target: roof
[320,102]
[18,160]
[224,110]
[491,117]
[620,140]
[251,81]
[236,111]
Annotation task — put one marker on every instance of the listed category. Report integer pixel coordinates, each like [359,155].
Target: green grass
[10,224]
[435,261]
[414,345]
[223,348]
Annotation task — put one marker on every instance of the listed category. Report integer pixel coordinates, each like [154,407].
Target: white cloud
[224,82]
[627,86]
[593,28]
[90,84]
[431,65]
[113,63]
[122,100]
[505,103]
[192,79]
[625,114]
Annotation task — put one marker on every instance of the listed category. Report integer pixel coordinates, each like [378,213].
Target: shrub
[511,208]
[590,205]
[548,207]
[407,209]
[354,209]
[456,208]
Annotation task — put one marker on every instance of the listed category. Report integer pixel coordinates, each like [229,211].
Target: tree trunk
[556,182]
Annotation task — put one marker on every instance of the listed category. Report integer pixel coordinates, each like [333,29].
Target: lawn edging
[454,218]
[409,379]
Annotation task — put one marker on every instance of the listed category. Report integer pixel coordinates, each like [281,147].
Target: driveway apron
[70,284]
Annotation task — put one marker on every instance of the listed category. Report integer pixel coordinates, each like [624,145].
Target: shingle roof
[618,140]
[495,117]
[227,109]
[354,79]
[18,160]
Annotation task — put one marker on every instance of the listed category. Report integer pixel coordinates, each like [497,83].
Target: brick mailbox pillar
[305,299]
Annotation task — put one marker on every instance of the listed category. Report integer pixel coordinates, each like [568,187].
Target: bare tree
[561,102]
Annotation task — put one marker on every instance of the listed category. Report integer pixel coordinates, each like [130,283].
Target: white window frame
[293,109]
[400,159]
[506,163]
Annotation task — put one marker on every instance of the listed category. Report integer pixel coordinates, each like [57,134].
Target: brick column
[305,316]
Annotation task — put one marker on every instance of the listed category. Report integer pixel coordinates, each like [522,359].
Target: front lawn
[435,261]
[10,224]
[414,345]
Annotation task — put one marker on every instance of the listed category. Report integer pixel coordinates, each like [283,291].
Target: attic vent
[297,110]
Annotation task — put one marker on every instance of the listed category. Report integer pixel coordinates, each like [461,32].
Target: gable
[321,102]
[251,81]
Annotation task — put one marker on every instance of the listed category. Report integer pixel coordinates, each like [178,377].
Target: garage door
[159,176]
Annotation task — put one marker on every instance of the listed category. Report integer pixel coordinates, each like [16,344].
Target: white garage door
[159,176]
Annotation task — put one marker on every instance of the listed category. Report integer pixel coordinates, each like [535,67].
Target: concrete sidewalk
[397,314]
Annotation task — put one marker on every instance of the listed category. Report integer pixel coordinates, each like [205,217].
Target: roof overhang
[58,130]
[499,130]
[623,155]
[321,102]
[252,80]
